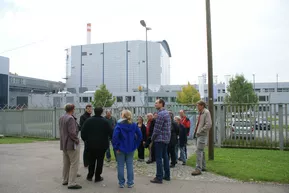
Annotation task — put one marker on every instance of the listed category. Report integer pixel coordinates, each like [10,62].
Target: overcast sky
[249,36]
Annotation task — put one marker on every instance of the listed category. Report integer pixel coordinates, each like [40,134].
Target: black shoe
[172,166]
[65,183]
[98,179]
[89,179]
[184,163]
[167,178]
[204,170]
[180,159]
[149,162]
[75,187]
[78,175]
[156,181]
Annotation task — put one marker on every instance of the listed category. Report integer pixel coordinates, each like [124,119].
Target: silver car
[242,129]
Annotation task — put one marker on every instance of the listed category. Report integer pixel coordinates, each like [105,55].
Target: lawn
[135,154]
[249,164]
[14,140]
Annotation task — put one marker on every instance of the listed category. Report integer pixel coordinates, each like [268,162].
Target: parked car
[262,124]
[242,129]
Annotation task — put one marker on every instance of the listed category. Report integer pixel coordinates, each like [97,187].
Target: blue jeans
[183,155]
[125,158]
[161,153]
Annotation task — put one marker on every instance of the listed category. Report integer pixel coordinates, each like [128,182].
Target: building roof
[165,45]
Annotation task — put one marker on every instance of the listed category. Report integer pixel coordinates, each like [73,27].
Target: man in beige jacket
[204,124]
[69,144]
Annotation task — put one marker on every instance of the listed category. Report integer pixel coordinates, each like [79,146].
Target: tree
[103,98]
[188,95]
[240,91]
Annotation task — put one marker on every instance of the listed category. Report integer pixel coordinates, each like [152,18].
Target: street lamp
[143,23]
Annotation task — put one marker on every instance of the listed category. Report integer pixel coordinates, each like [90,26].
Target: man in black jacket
[83,118]
[95,132]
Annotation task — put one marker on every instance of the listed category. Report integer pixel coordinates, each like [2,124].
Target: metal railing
[236,125]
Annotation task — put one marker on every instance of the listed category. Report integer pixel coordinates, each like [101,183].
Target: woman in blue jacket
[126,139]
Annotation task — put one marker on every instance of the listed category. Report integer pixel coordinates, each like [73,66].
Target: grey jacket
[68,132]
[205,123]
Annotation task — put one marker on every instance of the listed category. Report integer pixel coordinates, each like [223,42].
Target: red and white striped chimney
[88,33]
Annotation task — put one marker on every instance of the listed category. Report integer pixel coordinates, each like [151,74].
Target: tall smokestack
[88,33]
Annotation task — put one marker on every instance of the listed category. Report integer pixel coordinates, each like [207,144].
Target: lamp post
[210,78]
[143,23]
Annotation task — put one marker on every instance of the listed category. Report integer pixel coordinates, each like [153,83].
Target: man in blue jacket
[161,138]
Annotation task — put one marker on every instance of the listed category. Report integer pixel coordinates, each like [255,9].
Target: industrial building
[18,91]
[121,66]
[267,93]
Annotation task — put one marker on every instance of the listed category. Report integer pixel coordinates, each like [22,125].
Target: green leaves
[240,91]
[188,95]
[103,98]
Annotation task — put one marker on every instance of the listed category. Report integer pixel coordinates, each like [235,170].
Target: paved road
[36,168]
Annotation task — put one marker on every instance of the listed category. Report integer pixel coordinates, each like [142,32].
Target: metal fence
[235,125]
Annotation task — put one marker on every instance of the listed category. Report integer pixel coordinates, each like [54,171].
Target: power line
[23,46]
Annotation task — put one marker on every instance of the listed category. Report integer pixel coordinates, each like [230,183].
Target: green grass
[135,154]
[255,143]
[249,164]
[15,140]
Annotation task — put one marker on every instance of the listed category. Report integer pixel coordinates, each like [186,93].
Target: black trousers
[95,155]
[85,155]
[141,151]
[172,153]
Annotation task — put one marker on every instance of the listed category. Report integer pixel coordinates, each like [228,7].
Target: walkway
[36,168]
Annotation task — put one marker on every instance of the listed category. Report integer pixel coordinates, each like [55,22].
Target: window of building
[128,99]
[173,99]
[283,90]
[224,90]
[84,53]
[133,99]
[119,99]
[219,90]
[205,91]
[80,99]
[151,99]
[269,89]
[258,90]
[85,99]
[90,99]
[262,98]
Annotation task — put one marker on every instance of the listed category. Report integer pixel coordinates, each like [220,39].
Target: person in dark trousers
[182,139]
[185,121]
[173,141]
[161,138]
[141,149]
[150,129]
[83,118]
[96,131]
[112,121]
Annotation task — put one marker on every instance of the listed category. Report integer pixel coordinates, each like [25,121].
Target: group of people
[164,135]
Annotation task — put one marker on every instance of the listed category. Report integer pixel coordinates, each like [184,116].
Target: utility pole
[210,79]
[254,81]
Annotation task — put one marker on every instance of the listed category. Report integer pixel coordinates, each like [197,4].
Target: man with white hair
[149,131]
